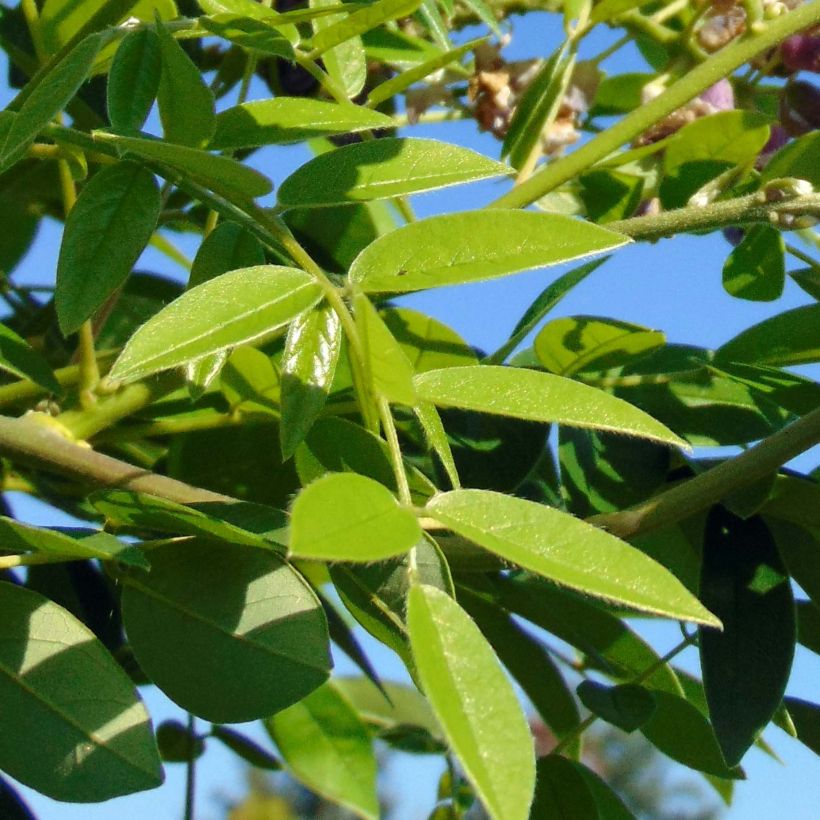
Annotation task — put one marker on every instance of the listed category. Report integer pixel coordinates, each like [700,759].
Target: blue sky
[673,286]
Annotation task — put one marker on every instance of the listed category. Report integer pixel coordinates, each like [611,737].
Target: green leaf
[609,804]
[290,119]
[49,98]
[707,147]
[484,13]
[247,749]
[806,718]
[73,726]
[228,247]
[786,339]
[681,731]
[133,81]
[381,169]
[71,544]
[610,195]
[436,437]
[177,744]
[538,105]
[105,233]
[755,269]
[239,307]
[361,21]
[309,360]
[608,9]
[747,665]
[472,246]
[256,36]
[186,104]
[474,702]
[348,517]
[149,512]
[20,359]
[250,383]
[229,616]
[222,175]
[562,792]
[403,80]
[567,551]
[627,706]
[808,279]
[336,445]
[327,747]
[808,625]
[529,394]
[346,64]
[388,366]
[797,159]
[798,549]
[575,344]
[543,304]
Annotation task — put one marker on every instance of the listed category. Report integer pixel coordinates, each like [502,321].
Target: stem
[803,257]
[389,427]
[31,559]
[744,210]
[190,770]
[720,65]
[705,489]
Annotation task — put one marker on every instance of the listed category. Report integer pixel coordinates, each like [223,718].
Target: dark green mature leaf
[149,512]
[50,96]
[808,279]
[405,79]
[747,665]
[798,548]
[177,744]
[381,169]
[575,344]
[609,195]
[20,359]
[348,517]
[389,369]
[561,792]
[312,349]
[227,247]
[474,702]
[544,302]
[536,396]
[222,175]
[567,551]
[789,338]
[627,706]
[346,63]
[186,104]
[228,616]
[538,104]
[240,307]
[361,21]
[327,747]
[797,159]
[133,81]
[681,731]
[250,751]
[755,269]
[475,245]
[806,719]
[290,119]
[796,500]
[73,727]
[105,233]
[808,625]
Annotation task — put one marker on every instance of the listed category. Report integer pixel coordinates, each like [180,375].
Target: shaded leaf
[797,159]
[561,791]
[806,718]
[227,247]
[755,269]
[253,35]
[250,751]
[20,359]
[627,706]
[177,744]
[133,81]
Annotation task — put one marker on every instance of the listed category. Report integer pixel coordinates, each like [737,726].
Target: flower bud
[800,108]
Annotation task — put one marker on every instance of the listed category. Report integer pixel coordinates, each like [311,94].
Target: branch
[703,490]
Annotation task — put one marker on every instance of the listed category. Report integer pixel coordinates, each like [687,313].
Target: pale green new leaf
[327,746]
[530,394]
[105,233]
[474,703]
[405,79]
[186,104]
[49,98]
[348,517]
[290,119]
[346,63]
[312,349]
[475,245]
[240,307]
[381,169]
[222,175]
[74,728]
[387,364]
[206,608]
[361,21]
[20,359]
[568,551]
[133,80]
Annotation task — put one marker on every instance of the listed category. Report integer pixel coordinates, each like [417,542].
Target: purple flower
[721,96]
[801,52]
[778,137]
[800,108]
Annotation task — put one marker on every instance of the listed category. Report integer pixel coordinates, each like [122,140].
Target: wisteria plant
[271,454]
